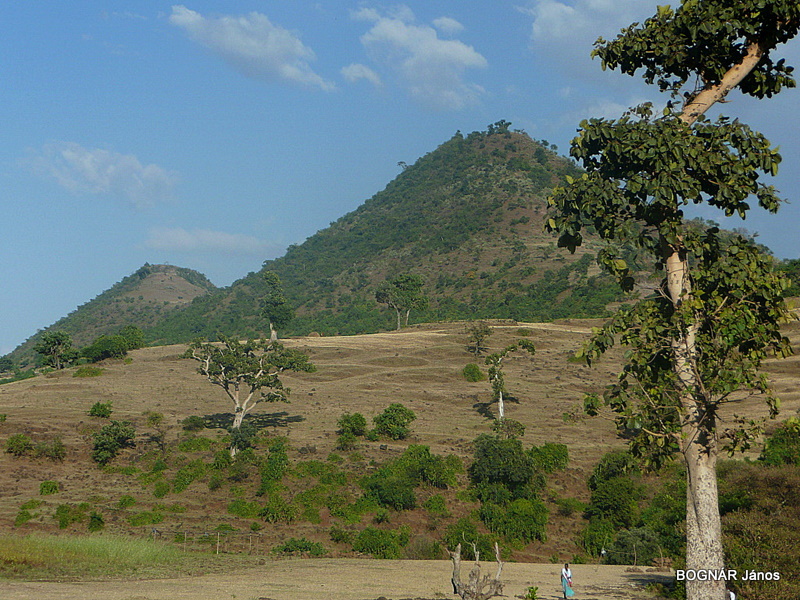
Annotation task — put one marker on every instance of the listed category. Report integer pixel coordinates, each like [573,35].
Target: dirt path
[342,579]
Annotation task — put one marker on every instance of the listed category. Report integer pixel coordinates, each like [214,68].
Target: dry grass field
[419,367]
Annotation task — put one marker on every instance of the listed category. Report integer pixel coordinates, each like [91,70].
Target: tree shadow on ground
[259,421]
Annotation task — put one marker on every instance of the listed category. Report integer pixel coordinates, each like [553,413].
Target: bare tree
[476,587]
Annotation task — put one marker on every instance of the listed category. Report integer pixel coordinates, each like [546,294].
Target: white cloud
[448,25]
[103,172]
[354,72]
[432,69]
[253,45]
[204,240]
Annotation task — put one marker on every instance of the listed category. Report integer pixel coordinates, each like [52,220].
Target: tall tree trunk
[399,314]
[700,445]
[238,417]
[501,409]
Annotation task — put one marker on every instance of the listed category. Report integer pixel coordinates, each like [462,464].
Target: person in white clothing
[731,595]
[566,581]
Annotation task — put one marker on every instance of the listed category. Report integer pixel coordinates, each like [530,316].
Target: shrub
[390,489]
[274,467]
[23,516]
[215,481]
[66,514]
[613,464]
[436,506]
[106,346]
[569,506]
[161,488]
[465,532]
[423,548]
[550,457]
[54,450]
[598,535]
[126,501]
[111,439]
[245,510]
[278,510]
[524,520]
[473,373]
[394,421]
[477,334]
[783,446]
[96,522]
[196,444]
[340,535]
[508,428]
[48,487]
[243,436]
[503,462]
[638,546]
[300,546]
[88,371]
[187,474]
[145,518]
[347,441]
[193,423]
[19,444]
[381,543]
[100,409]
[616,499]
[354,424]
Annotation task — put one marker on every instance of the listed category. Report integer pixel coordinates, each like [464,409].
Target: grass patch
[66,557]
[88,371]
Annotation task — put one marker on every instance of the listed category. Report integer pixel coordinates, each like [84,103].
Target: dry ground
[420,367]
[345,579]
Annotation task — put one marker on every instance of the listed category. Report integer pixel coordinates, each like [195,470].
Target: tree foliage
[714,316]
[275,306]
[56,349]
[403,293]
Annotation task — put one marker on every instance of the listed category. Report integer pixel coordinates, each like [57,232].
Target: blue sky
[212,135]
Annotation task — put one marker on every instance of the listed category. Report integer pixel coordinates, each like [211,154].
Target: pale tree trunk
[408,312]
[399,315]
[476,587]
[501,409]
[699,445]
[698,429]
[273,335]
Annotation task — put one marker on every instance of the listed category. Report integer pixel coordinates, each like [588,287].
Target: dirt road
[338,579]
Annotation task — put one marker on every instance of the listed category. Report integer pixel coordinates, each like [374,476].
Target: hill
[468,217]
[142,299]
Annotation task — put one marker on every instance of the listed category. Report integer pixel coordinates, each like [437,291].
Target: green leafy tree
[404,294]
[496,377]
[275,306]
[248,372]
[715,314]
[56,348]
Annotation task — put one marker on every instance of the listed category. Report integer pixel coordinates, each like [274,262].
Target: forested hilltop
[467,218]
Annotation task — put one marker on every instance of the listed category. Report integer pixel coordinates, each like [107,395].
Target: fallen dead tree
[476,587]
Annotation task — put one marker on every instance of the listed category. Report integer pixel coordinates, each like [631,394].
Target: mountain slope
[468,217]
[142,299]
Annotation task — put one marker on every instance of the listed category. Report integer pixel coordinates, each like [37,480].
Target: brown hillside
[419,367]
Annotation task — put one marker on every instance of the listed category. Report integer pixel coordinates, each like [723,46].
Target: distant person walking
[566,581]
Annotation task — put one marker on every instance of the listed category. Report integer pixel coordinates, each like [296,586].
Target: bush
[783,446]
[523,520]
[381,543]
[436,506]
[193,423]
[465,532]
[394,421]
[473,373]
[145,518]
[598,535]
[638,546]
[196,444]
[48,487]
[106,346]
[423,548]
[66,514]
[54,450]
[161,488]
[100,409]
[505,463]
[111,439]
[550,457]
[354,424]
[19,444]
[614,464]
[96,522]
[340,536]
[390,489]
[617,500]
[244,509]
[278,510]
[300,546]
[346,442]
[126,501]
[187,474]
[88,371]
[274,467]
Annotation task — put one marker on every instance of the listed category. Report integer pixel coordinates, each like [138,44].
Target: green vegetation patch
[300,546]
[88,371]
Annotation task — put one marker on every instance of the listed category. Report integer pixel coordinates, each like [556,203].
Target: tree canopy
[698,336]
